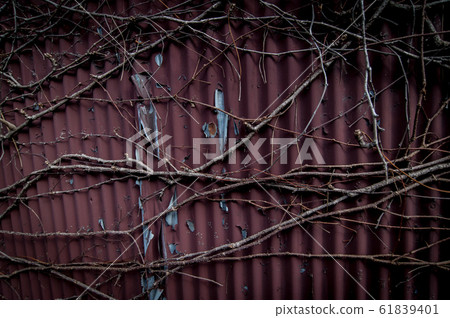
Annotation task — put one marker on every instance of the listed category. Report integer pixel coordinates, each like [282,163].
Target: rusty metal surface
[80,221]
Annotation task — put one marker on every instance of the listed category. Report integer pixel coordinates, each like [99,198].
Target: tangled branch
[85,50]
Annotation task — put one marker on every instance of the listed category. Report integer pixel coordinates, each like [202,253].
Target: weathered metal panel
[82,217]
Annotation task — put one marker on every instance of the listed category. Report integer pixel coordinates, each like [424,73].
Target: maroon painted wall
[72,205]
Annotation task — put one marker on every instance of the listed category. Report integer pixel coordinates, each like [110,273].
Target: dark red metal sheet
[103,205]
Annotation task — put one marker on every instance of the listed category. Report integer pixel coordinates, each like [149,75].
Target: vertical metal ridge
[291,264]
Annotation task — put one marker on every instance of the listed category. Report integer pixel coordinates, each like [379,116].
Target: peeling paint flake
[190,225]
[222,203]
[222,119]
[172,217]
[142,84]
[148,122]
[163,86]
[225,224]
[236,128]
[244,232]
[147,285]
[148,235]
[206,130]
[158,59]
[173,248]
[155,294]
[101,223]
[147,117]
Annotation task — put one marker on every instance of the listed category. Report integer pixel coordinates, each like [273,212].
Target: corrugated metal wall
[81,218]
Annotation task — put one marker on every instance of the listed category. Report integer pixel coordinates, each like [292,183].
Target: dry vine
[102,45]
